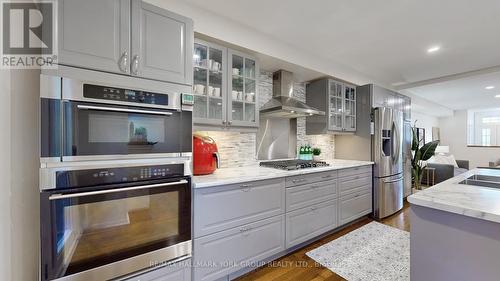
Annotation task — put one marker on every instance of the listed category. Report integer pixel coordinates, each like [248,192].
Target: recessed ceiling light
[490,87]
[433,49]
[497,96]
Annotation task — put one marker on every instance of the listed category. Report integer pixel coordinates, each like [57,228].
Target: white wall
[425,121]
[24,200]
[454,133]
[5,177]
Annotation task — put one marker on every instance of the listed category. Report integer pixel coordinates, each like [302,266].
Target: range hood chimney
[283,104]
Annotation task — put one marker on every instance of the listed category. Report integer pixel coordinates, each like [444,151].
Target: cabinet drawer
[310,178]
[223,253]
[355,171]
[355,206]
[309,222]
[355,183]
[224,207]
[180,271]
[305,195]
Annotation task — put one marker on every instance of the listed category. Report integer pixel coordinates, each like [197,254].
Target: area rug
[372,252]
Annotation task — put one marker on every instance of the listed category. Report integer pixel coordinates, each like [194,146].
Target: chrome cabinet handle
[326,177]
[299,180]
[123,62]
[223,122]
[245,229]
[314,186]
[230,122]
[314,208]
[135,65]
[245,188]
[128,110]
[82,194]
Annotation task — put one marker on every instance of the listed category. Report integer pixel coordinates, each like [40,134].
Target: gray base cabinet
[228,206]
[309,222]
[238,225]
[355,190]
[180,271]
[220,254]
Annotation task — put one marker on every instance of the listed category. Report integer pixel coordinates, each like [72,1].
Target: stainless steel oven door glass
[103,122]
[94,130]
[106,233]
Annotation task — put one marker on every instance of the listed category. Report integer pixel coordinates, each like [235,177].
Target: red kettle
[205,155]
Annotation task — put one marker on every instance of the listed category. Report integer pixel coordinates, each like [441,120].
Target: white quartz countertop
[252,173]
[469,200]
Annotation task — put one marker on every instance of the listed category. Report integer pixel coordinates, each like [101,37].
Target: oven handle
[92,107]
[90,193]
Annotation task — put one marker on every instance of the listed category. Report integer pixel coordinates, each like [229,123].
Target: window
[483,127]
[486,136]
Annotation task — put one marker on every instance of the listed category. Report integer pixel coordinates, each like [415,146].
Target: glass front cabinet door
[336,105]
[209,84]
[341,107]
[242,90]
[349,108]
[224,87]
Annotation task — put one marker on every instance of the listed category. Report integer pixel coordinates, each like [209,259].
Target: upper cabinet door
[95,34]
[209,86]
[162,44]
[336,106]
[242,94]
[349,108]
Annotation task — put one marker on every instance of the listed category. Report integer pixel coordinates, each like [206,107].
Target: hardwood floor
[297,266]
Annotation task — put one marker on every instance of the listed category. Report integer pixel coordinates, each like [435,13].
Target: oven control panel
[93,177]
[125,95]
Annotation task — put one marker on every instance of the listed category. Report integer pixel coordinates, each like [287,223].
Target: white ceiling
[465,93]
[386,40]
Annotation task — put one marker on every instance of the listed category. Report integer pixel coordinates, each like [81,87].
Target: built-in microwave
[84,120]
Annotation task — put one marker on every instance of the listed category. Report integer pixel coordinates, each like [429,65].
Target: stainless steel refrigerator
[384,137]
[387,148]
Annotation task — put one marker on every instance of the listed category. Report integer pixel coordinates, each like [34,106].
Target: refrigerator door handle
[396,144]
[392,181]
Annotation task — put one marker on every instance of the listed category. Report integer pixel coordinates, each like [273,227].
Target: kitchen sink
[482,180]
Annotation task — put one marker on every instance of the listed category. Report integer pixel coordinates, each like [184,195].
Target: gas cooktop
[293,164]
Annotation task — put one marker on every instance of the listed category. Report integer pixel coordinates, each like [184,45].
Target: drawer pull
[298,180]
[245,185]
[326,177]
[245,189]
[245,229]
[314,186]
[314,208]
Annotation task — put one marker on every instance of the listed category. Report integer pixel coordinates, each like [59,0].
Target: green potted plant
[420,155]
[316,152]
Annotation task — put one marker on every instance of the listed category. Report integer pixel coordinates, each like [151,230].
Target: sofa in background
[443,172]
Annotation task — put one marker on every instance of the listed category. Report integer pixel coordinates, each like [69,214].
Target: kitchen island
[455,229]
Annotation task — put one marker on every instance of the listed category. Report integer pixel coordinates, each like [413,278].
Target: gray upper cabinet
[95,34]
[162,44]
[127,37]
[225,87]
[338,101]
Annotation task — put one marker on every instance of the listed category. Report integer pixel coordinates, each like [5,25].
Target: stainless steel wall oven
[105,221]
[87,120]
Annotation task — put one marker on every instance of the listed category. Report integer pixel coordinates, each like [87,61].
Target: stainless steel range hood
[282,104]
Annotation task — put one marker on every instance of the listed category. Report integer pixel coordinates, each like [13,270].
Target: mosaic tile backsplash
[238,149]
